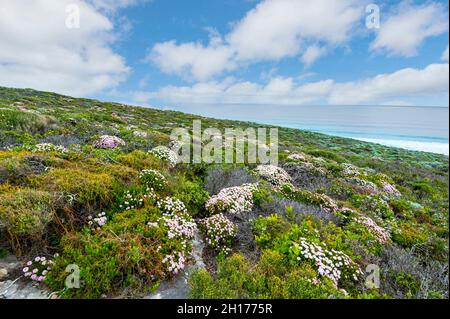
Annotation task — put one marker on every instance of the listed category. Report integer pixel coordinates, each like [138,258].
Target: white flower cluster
[273,174]
[175,262]
[296,157]
[237,199]
[152,179]
[171,206]
[331,264]
[140,134]
[131,201]
[96,223]
[350,170]
[219,232]
[380,234]
[49,147]
[37,269]
[166,154]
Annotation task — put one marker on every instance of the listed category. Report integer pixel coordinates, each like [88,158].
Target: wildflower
[275,175]
[238,199]
[219,232]
[165,154]
[108,142]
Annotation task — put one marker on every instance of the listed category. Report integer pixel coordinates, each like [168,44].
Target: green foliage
[271,278]
[25,213]
[266,230]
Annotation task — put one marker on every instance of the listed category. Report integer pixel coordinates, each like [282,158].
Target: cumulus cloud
[279,90]
[192,60]
[395,88]
[444,56]
[37,49]
[404,30]
[113,5]
[433,79]
[311,54]
[273,30]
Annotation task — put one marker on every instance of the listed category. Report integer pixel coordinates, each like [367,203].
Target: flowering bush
[350,170]
[153,179]
[331,264]
[390,189]
[96,223]
[108,142]
[380,234]
[366,186]
[237,199]
[273,174]
[37,269]
[296,157]
[171,206]
[132,201]
[141,134]
[165,154]
[219,232]
[180,226]
[48,147]
[175,262]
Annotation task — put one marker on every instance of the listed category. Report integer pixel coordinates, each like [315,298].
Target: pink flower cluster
[37,269]
[175,262]
[180,226]
[96,223]
[331,264]
[380,234]
[390,189]
[237,199]
[275,175]
[219,232]
[108,142]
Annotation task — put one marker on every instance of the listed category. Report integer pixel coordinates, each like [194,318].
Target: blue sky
[173,52]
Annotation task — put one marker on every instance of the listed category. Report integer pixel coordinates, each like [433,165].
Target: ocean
[410,127]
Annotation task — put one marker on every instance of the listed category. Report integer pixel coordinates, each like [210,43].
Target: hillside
[129,218]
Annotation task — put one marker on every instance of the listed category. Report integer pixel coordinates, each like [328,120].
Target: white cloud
[402,87]
[409,82]
[273,30]
[192,60]
[312,53]
[444,56]
[37,49]
[279,90]
[113,5]
[404,30]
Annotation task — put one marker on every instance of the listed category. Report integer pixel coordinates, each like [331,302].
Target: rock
[9,263]
[21,290]
[3,273]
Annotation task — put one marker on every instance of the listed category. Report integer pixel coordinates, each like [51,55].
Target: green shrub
[271,278]
[89,189]
[25,213]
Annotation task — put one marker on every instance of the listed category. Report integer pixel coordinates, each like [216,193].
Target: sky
[168,53]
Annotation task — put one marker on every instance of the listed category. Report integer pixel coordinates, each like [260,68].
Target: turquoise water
[416,128]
